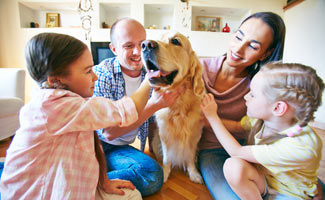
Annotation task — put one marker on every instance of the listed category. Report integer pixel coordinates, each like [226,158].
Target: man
[117,77]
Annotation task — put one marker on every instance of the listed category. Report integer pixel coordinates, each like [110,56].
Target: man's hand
[115,186]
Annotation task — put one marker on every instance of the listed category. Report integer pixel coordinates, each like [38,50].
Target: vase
[226,29]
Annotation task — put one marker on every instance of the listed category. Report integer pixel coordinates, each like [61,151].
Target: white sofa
[12,96]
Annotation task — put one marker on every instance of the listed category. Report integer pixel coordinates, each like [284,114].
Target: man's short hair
[112,32]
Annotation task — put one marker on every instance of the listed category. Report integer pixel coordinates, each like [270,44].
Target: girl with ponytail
[56,153]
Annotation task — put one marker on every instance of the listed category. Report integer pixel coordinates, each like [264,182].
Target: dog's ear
[196,74]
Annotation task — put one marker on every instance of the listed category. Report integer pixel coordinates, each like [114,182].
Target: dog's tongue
[154,74]
[157,73]
[162,73]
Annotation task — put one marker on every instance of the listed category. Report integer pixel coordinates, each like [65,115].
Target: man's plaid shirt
[111,84]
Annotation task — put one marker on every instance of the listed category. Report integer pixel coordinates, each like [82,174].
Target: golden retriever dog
[171,62]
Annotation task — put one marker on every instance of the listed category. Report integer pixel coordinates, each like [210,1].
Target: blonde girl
[55,153]
[286,152]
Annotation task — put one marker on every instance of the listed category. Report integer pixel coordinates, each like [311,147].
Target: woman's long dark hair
[50,54]
[278,28]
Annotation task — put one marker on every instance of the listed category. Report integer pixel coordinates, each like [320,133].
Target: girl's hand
[166,98]
[209,106]
[115,186]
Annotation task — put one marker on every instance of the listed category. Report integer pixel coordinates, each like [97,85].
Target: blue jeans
[1,169]
[211,163]
[128,163]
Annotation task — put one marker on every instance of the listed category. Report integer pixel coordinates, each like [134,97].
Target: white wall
[13,38]
[25,14]
[305,40]
[109,12]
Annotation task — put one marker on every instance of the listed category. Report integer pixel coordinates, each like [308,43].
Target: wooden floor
[4,144]
[179,185]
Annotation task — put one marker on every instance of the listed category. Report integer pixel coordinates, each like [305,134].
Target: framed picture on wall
[52,20]
[205,23]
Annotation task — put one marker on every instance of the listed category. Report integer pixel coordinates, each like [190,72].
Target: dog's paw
[196,177]
[166,170]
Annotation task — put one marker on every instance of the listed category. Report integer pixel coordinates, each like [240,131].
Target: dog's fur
[171,62]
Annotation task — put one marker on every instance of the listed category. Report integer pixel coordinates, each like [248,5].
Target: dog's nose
[149,45]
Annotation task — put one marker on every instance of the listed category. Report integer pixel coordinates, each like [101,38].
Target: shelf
[161,15]
[158,16]
[36,12]
[231,16]
[110,12]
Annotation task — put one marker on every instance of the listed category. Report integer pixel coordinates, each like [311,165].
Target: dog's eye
[176,42]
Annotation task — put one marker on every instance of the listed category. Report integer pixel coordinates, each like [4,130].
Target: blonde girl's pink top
[231,103]
[52,155]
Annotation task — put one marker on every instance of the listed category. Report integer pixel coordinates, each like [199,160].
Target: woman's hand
[115,186]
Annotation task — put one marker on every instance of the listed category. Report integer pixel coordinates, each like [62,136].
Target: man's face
[129,37]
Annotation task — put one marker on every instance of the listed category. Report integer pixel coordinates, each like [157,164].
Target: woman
[259,39]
